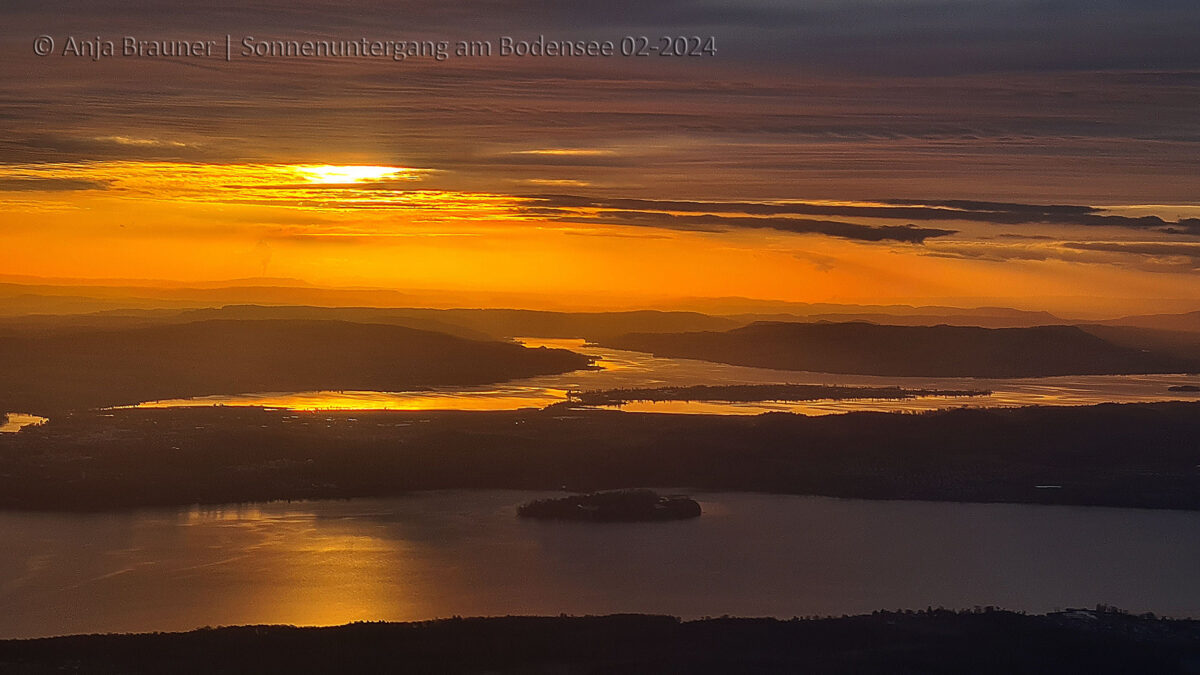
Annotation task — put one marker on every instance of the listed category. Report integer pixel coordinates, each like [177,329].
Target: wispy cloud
[43,184]
[909,234]
[1158,257]
[994,213]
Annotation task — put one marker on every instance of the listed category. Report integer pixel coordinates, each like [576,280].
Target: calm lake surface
[466,553]
[626,369]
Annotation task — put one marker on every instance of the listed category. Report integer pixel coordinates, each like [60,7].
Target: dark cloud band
[994,213]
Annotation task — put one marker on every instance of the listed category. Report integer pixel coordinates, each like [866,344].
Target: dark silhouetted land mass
[747,393]
[613,506]
[933,641]
[934,351]
[1187,388]
[93,368]
[1183,345]
[1129,455]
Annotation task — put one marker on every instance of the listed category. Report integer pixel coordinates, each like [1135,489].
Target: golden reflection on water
[466,553]
[203,513]
[17,421]
[279,565]
[478,399]
[321,579]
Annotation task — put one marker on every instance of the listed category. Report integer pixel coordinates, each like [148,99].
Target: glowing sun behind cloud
[329,174]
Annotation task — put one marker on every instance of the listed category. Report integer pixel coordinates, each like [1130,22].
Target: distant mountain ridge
[1188,321]
[474,324]
[928,316]
[932,351]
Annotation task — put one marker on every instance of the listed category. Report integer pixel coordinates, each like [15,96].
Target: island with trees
[632,505]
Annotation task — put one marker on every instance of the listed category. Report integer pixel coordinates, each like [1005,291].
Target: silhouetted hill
[938,351]
[102,368]
[985,642]
[1177,343]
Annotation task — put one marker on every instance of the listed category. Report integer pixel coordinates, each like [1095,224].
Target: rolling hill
[934,351]
[90,368]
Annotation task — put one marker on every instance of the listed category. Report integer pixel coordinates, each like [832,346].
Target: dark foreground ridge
[1131,455]
[935,641]
[613,506]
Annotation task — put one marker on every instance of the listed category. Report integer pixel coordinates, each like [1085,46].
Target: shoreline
[691,492]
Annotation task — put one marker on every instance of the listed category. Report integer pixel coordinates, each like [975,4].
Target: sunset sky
[1037,154]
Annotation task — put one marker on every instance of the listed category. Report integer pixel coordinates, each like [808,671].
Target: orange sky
[391,227]
[861,151]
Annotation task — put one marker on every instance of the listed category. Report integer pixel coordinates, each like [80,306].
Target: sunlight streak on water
[438,554]
[498,397]
[17,421]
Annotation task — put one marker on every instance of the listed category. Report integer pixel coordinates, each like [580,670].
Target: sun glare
[350,174]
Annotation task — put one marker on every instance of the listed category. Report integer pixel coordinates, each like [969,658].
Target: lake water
[466,553]
[626,369]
